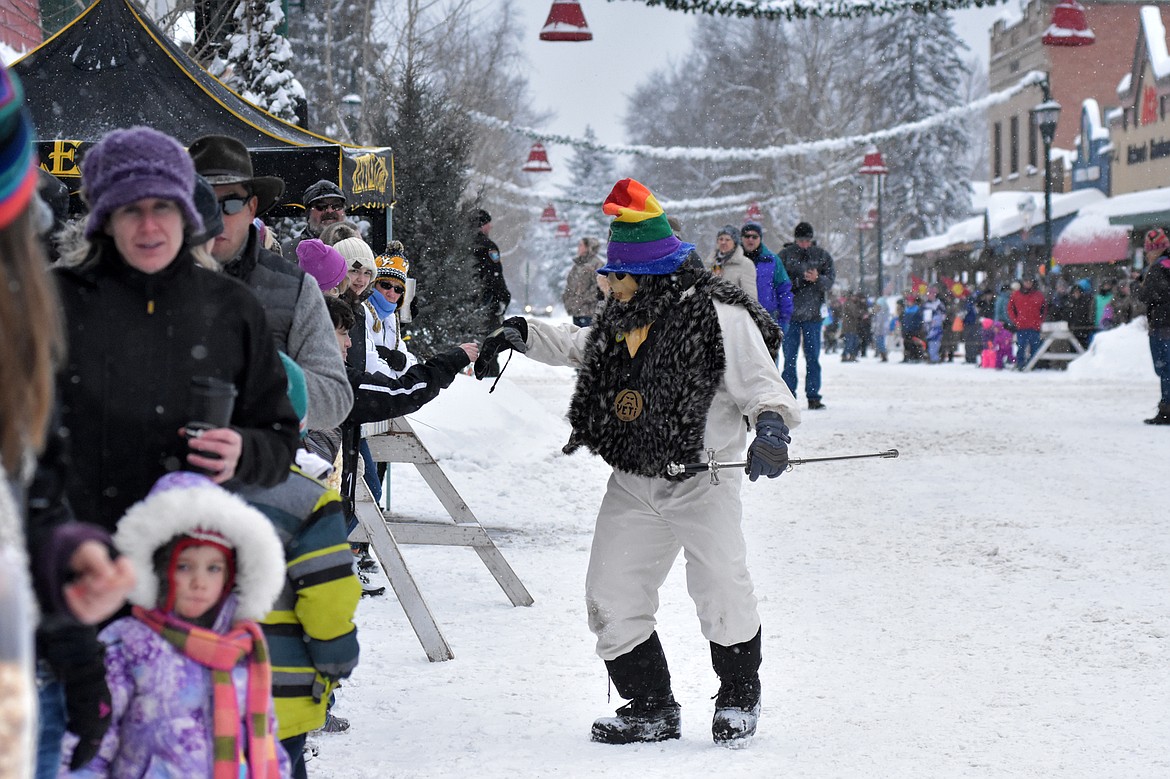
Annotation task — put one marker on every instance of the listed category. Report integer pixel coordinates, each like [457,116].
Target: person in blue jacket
[772,283]
[810,269]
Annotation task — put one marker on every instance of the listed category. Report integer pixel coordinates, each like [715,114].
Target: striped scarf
[220,654]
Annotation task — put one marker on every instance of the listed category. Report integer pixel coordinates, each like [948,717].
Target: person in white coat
[728,261]
[677,362]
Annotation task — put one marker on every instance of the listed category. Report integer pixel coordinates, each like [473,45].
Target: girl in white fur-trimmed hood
[189,676]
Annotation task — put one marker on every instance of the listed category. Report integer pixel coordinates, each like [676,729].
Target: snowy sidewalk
[993,603]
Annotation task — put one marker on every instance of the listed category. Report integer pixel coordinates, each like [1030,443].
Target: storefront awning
[1138,210]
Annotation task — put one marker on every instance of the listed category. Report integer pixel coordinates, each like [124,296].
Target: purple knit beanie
[128,165]
[322,262]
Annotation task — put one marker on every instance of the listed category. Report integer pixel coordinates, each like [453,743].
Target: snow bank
[1121,353]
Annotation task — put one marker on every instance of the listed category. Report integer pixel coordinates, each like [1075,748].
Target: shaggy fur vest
[641,413]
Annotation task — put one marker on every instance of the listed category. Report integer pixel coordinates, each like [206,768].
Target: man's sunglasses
[328,206]
[752,235]
[387,285]
[234,204]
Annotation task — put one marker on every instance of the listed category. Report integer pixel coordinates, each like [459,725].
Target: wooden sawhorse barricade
[1050,333]
[396,442]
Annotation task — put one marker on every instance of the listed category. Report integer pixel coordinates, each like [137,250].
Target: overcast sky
[587,83]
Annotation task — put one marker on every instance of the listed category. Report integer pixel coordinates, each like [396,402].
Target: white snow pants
[641,526]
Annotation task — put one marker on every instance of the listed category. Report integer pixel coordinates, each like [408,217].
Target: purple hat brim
[660,266]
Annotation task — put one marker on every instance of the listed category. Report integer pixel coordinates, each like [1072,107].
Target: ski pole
[713,466]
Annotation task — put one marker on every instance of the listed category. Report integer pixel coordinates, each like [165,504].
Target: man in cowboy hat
[291,298]
[325,205]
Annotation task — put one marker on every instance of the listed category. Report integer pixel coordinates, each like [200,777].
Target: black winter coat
[377,397]
[134,342]
[495,295]
[1155,293]
[807,297]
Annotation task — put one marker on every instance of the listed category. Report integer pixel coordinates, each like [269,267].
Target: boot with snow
[641,721]
[1162,417]
[641,676]
[737,704]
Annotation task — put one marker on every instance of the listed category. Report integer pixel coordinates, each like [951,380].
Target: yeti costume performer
[677,362]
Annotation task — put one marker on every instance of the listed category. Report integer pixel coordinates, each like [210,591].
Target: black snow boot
[641,676]
[1162,417]
[737,705]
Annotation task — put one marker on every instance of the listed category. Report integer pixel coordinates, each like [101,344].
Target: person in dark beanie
[292,301]
[773,286]
[324,204]
[810,269]
[1155,293]
[674,363]
[494,295]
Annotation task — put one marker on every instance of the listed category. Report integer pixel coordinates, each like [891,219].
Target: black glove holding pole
[512,334]
[768,454]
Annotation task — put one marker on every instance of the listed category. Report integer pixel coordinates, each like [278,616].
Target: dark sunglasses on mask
[387,285]
[233,205]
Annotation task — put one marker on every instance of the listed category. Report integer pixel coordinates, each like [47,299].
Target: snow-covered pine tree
[545,254]
[918,72]
[591,177]
[257,59]
[335,56]
[431,143]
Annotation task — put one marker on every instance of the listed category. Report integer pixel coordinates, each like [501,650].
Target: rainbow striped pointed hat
[18,167]
[640,239]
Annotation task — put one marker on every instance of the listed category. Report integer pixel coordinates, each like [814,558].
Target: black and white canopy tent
[112,67]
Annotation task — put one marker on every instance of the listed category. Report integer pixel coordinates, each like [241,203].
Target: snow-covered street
[993,603]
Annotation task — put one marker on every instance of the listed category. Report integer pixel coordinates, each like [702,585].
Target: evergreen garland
[824,9]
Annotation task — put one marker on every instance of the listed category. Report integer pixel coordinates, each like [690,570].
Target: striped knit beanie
[393,264]
[641,241]
[18,164]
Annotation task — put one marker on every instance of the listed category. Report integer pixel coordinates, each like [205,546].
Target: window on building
[997,151]
[1033,145]
[1014,145]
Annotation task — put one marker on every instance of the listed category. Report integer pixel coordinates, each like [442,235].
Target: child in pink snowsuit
[1003,345]
[987,356]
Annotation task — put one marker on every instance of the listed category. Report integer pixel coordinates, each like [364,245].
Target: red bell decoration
[1069,26]
[566,22]
[753,213]
[563,230]
[873,164]
[537,160]
[549,214]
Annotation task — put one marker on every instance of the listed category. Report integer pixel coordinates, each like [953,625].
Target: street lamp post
[861,237]
[1046,115]
[874,165]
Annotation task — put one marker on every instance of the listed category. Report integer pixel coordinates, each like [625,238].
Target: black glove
[512,334]
[87,707]
[393,357]
[768,454]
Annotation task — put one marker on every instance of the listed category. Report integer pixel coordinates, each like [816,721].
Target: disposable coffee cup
[211,404]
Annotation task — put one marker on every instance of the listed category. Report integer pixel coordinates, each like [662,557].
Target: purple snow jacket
[773,285]
[161,727]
